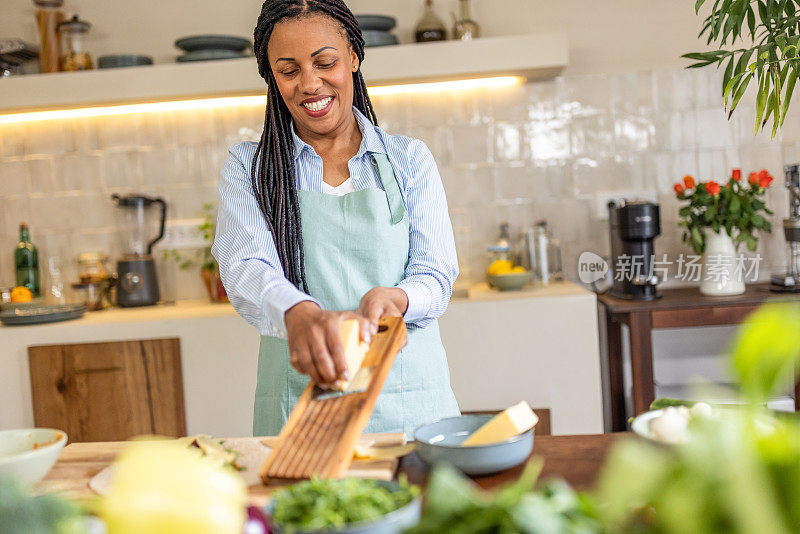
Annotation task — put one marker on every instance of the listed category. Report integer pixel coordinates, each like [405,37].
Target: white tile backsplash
[518,154]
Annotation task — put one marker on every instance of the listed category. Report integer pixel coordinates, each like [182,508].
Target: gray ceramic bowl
[376,22]
[115,61]
[392,523]
[441,440]
[378,38]
[510,281]
[213,42]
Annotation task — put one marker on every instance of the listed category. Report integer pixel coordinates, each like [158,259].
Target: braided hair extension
[272,172]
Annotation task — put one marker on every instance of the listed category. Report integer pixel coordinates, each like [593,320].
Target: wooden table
[677,308]
[575,458]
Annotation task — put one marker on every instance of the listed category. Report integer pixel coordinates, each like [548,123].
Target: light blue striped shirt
[246,252]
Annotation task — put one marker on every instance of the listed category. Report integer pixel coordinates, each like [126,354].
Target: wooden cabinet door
[109,391]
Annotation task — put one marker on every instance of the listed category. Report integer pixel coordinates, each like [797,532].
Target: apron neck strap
[380,162]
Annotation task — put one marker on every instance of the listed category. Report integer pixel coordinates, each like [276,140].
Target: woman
[329,218]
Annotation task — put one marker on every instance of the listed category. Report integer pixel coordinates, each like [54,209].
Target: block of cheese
[354,351]
[505,425]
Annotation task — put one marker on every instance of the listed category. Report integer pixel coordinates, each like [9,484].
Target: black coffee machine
[633,226]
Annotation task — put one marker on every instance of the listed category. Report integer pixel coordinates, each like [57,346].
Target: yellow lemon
[21,294]
[500,267]
[518,269]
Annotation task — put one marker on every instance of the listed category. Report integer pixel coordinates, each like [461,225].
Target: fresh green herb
[453,504]
[22,513]
[321,504]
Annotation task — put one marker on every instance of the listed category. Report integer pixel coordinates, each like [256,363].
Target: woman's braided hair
[272,172]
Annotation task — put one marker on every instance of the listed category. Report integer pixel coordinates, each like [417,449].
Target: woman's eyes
[292,72]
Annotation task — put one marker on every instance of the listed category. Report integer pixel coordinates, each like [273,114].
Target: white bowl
[27,454]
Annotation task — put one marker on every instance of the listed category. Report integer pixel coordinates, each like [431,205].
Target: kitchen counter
[539,344]
[577,459]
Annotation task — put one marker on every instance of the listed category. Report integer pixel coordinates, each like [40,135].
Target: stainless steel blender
[790,280]
[136,270]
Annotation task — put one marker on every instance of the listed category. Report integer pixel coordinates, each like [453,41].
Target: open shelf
[532,56]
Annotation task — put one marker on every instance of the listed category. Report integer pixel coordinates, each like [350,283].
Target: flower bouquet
[737,207]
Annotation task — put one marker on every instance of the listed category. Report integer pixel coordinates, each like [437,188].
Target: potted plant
[717,219]
[209,269]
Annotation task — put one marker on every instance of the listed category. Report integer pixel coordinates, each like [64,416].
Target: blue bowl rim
[358,524]
[513,439]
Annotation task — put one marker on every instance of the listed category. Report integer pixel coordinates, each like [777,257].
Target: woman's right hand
[315,342]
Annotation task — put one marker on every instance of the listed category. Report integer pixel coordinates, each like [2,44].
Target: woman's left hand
[380,301]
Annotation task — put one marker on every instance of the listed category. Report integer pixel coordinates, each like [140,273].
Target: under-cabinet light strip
[258,100]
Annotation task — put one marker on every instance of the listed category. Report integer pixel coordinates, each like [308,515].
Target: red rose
[688,181]
[736,175]
[679,189]
[712,187]
[764,181]
[753,178]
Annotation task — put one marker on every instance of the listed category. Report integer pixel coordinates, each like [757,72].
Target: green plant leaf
[766,349]
[761,99]
[735,204]
[739,94]
[697,240]
[789,88]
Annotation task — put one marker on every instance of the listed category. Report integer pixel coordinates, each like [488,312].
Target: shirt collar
[370,141]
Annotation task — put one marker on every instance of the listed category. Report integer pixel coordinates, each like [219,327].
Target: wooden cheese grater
[322,431]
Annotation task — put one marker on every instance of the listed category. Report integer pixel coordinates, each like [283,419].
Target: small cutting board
[320,436]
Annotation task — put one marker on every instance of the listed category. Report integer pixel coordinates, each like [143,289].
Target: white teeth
[318,105]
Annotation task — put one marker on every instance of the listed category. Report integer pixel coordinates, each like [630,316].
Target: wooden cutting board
[253,452]
[321,433]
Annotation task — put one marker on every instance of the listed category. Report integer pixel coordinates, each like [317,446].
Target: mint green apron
[353,243]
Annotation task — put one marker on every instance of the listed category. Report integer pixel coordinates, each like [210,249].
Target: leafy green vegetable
[21,513]
[767,350]
[324,503]
[453,504]
[666,402]
[739,473]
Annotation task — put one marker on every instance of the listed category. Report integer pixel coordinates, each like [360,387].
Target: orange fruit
[21,294]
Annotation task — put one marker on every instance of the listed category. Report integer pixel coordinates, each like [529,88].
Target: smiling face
[313,64]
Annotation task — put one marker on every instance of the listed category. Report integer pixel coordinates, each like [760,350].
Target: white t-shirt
[340,190]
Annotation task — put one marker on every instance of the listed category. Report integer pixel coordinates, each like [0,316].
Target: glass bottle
[26,261]
[464,27]
[75,56]
[501,249]
[48,17]
[429,27]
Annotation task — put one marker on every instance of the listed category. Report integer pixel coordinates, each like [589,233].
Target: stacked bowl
[213,47]
[375,29]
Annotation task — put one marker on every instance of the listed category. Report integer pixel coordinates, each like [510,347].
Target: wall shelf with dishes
[530,56]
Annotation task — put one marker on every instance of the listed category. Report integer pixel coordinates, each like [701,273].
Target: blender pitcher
[138,284]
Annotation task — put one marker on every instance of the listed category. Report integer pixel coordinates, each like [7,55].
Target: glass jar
[429,27]
[75,56]
[48,18]
[92,267]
